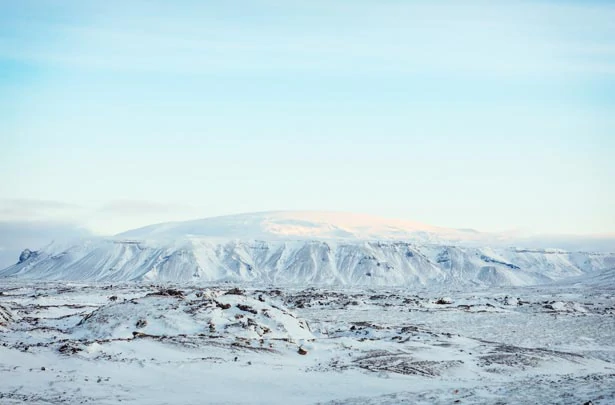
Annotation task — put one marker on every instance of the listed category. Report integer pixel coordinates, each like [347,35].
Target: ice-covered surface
[160,344]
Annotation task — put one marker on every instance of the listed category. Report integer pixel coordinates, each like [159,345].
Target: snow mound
[560,306]
[231,314]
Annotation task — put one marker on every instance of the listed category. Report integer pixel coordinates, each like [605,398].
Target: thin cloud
[136,207]
[35,210]
[15,236]
[444,38]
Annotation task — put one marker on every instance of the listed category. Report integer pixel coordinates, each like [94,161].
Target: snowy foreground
[181,344]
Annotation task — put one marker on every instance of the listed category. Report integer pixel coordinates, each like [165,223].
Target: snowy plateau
[303,308]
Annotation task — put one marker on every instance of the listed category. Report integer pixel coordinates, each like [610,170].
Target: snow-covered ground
[63,343]
[305,307]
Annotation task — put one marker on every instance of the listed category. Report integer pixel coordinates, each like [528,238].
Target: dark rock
[443,301]
[409,329]
[302,351]
[167,292]
[235,291]
[247,308]
[223,306]
[69,349]
[27,254]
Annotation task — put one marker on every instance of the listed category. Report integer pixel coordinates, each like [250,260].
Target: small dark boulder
[235,291]
[444,301]
[247,308]
[167,292]
[69,349]
[222,306]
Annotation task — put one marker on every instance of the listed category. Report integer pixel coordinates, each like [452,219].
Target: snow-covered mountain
[302,225]
[306,247]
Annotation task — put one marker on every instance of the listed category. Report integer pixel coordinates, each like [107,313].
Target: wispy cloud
[15,236]
[37,210]
[524,39]
[250,105]
[132,207]
[112,217]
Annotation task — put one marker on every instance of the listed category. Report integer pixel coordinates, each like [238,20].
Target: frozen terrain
[295,248]
[176,344]
[279,308]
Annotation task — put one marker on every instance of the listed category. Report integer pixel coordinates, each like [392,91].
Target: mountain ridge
[306,247]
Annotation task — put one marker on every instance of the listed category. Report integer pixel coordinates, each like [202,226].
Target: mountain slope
[344,263]
[300,248]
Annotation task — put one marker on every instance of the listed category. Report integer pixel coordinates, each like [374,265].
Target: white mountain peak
[300,225]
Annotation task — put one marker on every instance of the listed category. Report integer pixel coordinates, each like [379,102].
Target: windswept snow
[306,308]
[152,344]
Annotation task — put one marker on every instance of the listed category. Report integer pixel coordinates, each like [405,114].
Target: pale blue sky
[491,115]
